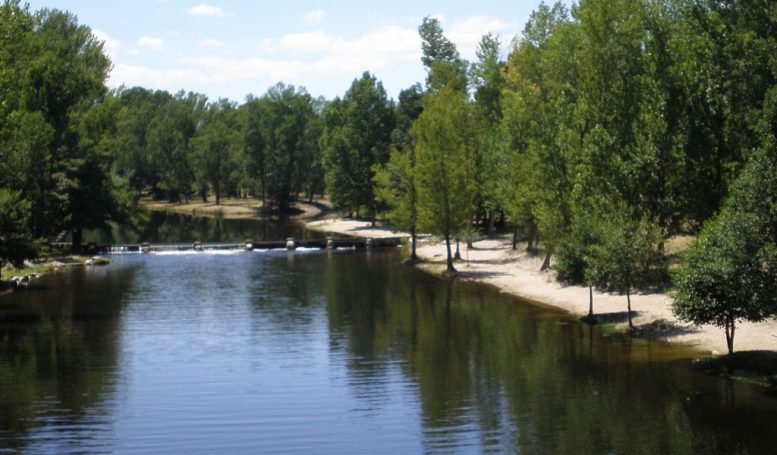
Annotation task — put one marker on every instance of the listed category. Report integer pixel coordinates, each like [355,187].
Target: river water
[339,352]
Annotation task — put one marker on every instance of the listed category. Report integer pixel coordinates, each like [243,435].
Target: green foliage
[575,251]
[728,273]
[356,136]
[216,146]
[281,132]
[444,164]
[16,243]
[443,63]
[626,257]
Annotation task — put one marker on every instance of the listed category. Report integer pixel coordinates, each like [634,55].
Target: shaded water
[339,352]
[169,227]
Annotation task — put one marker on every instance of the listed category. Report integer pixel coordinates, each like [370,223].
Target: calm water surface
[339,352]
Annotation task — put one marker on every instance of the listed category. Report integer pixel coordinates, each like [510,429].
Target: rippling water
[339,352]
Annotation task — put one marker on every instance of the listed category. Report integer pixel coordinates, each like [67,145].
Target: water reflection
[59,359]
[339,352]
[168,227]
[493,374]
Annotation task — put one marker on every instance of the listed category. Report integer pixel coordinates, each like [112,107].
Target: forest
[599,133]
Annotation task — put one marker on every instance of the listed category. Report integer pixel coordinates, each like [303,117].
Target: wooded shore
[494,262]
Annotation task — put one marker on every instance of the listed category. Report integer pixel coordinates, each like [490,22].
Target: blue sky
[228,49]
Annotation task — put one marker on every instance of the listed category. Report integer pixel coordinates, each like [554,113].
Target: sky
[232,48]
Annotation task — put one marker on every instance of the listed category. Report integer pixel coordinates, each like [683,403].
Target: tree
[16,243]
[356,137]
[488,80]
[725,66]
[575,255]
[443,63]
[542,126]
[728,273]
[627,256]
[444,165]
[67,79]
[281,144]
[395,182]
[216,147]
[395,186]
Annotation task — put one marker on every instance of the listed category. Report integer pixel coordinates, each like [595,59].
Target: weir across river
[288,244]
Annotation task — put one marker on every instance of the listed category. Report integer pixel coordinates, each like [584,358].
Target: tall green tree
[281,143]
[442,60]
[356,136]
[67,78]
[725,66]
[216,148]
[395,186]
[542,124]
[489,82]
[444,165]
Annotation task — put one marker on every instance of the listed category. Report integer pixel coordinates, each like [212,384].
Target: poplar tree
[444,165]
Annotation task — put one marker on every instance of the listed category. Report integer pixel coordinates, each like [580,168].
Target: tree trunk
[590,301]
[413,255]
[546,261]
[458,253]
[730,329]
[373,213]
[530,238]
[450,268]
[628,300]
[491,226]
[78,235]
[515,238]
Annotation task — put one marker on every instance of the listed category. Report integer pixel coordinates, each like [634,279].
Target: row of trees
[178,146]
[606,131]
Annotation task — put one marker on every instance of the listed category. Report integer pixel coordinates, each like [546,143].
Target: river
[338,352]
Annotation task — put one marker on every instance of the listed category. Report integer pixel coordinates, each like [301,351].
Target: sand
[515,272]
[233,208]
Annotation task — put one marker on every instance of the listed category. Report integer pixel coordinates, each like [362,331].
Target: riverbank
[13,278]
[238,208]
[492,261]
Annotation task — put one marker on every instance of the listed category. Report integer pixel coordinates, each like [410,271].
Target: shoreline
[236,209]
[493,262]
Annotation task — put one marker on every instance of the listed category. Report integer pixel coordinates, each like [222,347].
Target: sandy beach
[234,208]
[493,261]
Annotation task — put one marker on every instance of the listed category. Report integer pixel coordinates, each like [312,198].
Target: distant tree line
[602,131]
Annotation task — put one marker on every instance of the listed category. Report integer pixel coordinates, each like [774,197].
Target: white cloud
[378,46]
[314,17]
[207,11]
[151,42]
[324,62]
[209,43]
[169,79]
[111,46]
[222,69]
[268,46]
[466,34]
